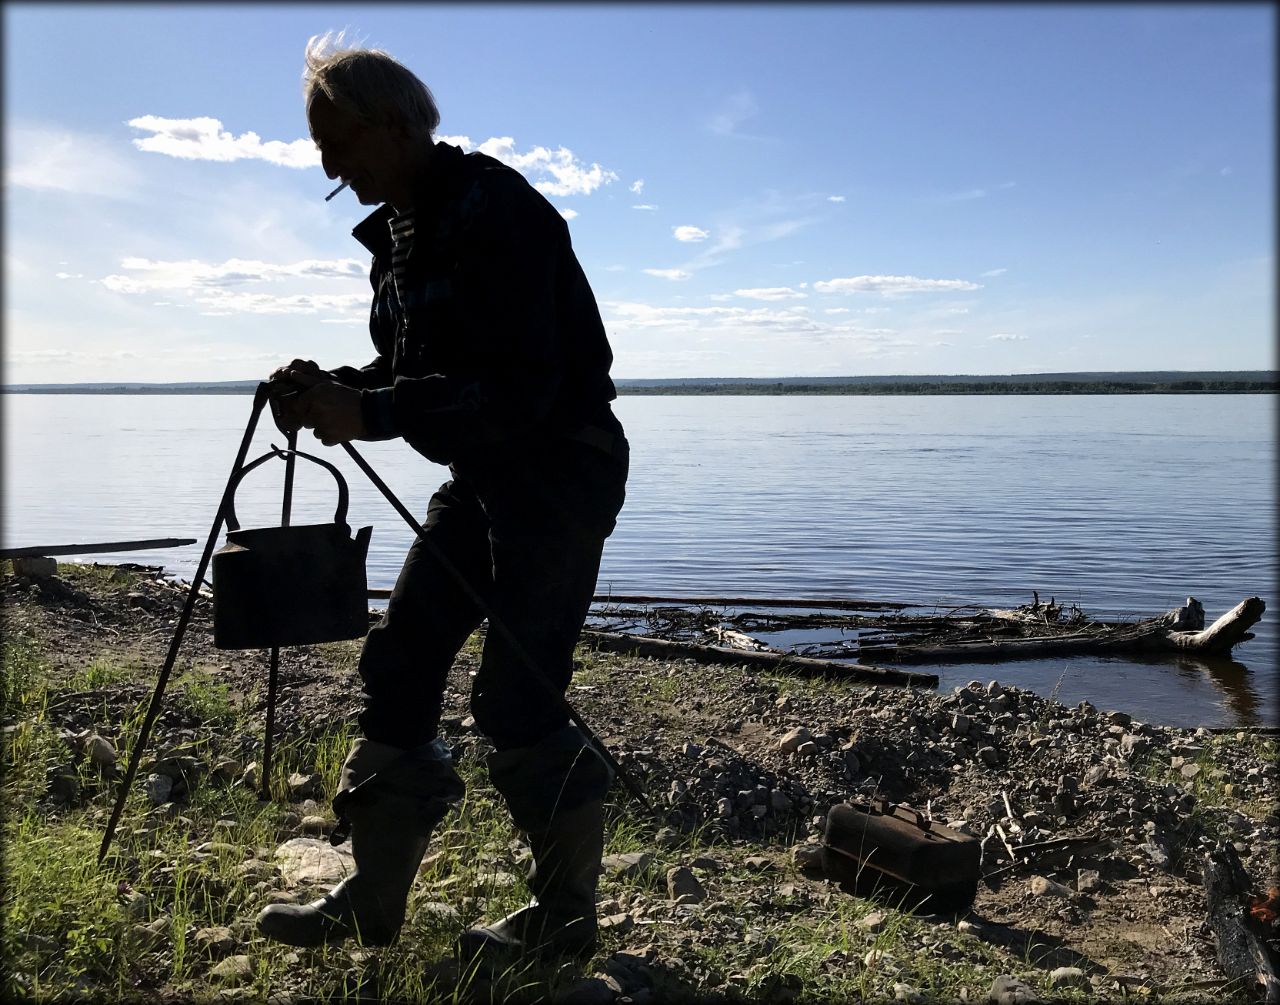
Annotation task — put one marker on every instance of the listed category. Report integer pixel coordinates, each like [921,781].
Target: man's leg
[398,781]
[552,780]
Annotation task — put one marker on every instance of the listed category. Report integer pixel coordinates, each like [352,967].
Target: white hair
[368,83]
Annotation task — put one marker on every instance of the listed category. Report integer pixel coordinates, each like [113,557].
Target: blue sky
[752,190]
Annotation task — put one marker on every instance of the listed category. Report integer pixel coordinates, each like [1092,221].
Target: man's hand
[310,398]
[332,410]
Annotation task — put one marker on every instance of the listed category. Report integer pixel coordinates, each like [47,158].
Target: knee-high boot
[392,799]
[555,790]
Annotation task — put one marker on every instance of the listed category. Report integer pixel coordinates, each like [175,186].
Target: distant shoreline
[738,389]
[1078,382]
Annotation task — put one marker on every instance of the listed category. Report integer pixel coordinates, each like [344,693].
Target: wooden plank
[48,551]
[662,649]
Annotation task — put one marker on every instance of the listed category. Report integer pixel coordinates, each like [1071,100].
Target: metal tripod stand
[261,396]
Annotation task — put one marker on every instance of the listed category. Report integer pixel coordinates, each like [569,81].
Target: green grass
[71,928]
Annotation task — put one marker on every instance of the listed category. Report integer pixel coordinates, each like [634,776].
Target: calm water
[1124,505]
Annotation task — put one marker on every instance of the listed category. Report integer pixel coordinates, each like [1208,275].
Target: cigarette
[336,191]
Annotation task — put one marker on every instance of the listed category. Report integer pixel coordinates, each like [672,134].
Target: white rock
[1042,886]
[310,860]
[233,970]
[1068,977]
[791,741]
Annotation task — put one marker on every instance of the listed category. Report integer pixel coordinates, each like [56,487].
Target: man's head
[370,116]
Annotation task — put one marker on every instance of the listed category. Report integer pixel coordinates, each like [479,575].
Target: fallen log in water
[620,642]
[1154,635]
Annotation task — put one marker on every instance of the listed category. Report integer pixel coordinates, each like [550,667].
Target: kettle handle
[339,517]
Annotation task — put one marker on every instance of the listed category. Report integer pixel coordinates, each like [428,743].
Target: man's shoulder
[490,184]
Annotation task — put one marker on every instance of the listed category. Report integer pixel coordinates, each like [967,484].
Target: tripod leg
[272,676]
[264,788]
[259,399]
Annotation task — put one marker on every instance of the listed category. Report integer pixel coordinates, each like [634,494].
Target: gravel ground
[756,760]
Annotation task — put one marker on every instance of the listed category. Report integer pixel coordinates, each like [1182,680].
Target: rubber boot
[556,794]
[391,799]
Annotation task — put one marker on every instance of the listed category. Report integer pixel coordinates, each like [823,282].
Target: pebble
[217,941]
[791,741]
[873,922]
[233,970]
[1067,977]
[157,788]
[1042,886]
[629,865]
[303,785]
[314,825]
[1088,880]
[684,886]
[1009,990]
[100,751]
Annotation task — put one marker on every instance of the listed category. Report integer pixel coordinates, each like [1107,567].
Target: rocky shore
[1094,826]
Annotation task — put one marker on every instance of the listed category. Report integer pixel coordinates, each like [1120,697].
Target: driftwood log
[1240,938]
[621,642]
[1160,634]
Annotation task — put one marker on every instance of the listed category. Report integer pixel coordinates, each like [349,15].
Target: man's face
[370,157]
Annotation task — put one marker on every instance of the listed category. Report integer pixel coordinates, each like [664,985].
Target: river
[1124,505]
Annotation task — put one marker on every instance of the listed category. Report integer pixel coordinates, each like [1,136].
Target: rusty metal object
[896,851]
[292,585]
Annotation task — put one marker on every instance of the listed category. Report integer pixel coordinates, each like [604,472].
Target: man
[491,358]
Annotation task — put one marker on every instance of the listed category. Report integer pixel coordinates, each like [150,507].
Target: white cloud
[991,273]
[770,293]
[68,275]
[1006,337]
[51,159]
[151,275]
[892,285]
[568,175]
[226,302]
[204,139]
[738,322]
[1225,172]
[674,274]
[645,205]
[835,198]
[568,214]
[975,193]
[687,233]
[218,289]
[637,186]
[737,109]
[836,310]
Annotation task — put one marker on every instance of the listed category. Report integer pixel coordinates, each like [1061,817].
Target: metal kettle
[289,586]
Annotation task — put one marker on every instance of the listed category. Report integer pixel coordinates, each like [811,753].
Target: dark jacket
[496,336]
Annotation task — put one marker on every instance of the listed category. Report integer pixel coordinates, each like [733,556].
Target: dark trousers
[525,527]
